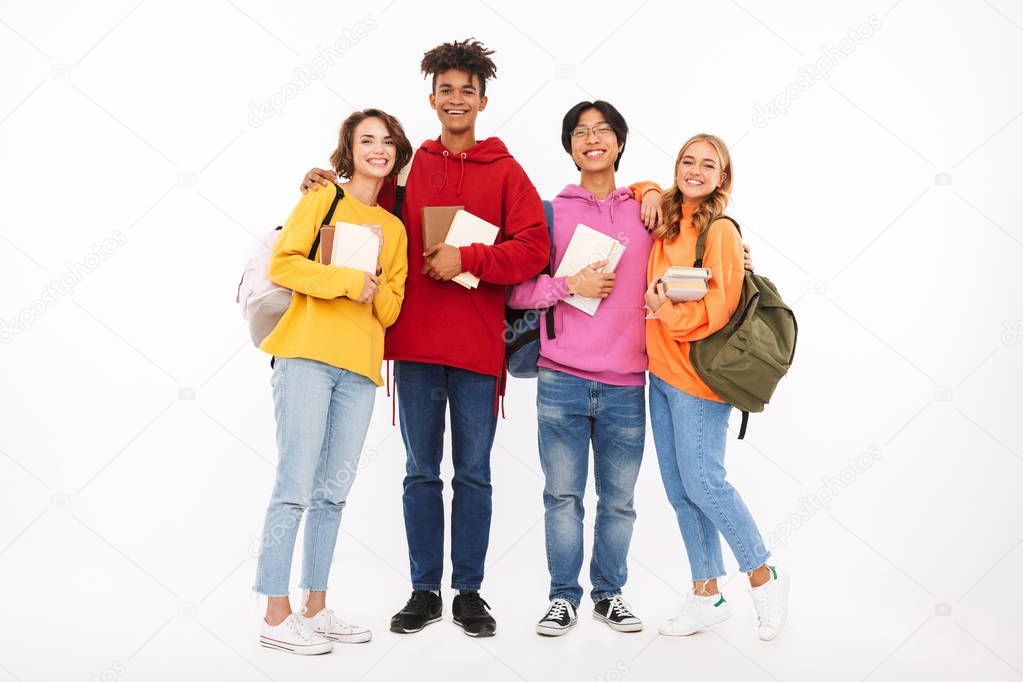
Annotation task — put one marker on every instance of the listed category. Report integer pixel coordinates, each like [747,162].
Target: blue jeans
[689,435]
[323,414]
[572,413]
[424,392]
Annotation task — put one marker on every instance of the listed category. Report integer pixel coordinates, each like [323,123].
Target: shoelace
[557,610]
[299,628]
[620,608]
[473,604]
[419,602]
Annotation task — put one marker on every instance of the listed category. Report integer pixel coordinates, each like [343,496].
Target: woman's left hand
[655,296]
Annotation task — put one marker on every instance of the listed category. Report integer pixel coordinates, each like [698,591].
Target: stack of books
[685,284]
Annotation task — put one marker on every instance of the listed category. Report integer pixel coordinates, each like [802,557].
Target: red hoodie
[443,322]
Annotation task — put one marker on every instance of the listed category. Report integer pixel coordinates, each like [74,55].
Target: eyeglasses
[600,130]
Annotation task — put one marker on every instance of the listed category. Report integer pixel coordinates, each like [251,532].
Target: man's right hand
[591,282]
[316,177]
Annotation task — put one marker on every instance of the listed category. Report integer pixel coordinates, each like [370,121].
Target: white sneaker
[293,636]
[559,619]
[325,623]
[698,612]
[771,600]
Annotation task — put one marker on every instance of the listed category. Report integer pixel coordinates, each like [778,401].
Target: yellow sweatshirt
[324,322]
[675,325]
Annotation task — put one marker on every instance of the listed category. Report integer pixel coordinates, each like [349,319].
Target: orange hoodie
[675,325]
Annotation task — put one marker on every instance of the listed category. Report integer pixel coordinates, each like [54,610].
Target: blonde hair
[713,206]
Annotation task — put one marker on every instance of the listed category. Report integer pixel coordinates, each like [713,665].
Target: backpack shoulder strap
[701,241]
[399,189]
[339,194]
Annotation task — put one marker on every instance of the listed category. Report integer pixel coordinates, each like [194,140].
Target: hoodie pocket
[612,340]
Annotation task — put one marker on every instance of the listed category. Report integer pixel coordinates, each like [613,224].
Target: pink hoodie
[609,347]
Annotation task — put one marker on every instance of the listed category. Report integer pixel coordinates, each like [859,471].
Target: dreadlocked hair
[469,56]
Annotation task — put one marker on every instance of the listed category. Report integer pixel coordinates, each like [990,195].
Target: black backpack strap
[339,194]
[548,316]
[701,241]
[742,427]
[399,201]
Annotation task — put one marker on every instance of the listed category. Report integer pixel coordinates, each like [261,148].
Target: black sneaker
[472,614]
[423,607]
[559,619]
[617,615]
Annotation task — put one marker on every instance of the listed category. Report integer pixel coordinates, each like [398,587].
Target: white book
[467,229]
[586,247]
[355,246]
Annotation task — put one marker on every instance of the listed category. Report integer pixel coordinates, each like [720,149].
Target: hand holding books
[591,281]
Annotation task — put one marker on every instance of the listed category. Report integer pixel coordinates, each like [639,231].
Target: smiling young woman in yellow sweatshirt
[328,346]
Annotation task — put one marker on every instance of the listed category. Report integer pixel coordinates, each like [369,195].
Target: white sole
[618,627]
[703,626]
[305,650]
[410,632]
[357,638]
[552,630]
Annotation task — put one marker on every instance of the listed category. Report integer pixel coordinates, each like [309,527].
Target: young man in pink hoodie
[592,376]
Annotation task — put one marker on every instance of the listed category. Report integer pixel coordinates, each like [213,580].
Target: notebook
[437,222]
[467,229]
[588,246]
[350,245]
[685,284]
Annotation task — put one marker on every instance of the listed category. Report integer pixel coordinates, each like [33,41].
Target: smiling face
[373,148]
[456,99]
[594,144]
[699,171]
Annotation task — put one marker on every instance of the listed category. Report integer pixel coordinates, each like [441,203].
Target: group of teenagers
[447,343]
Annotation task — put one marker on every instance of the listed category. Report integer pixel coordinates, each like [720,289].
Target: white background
[137,451]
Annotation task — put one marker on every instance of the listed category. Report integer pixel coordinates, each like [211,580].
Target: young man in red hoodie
[448,343]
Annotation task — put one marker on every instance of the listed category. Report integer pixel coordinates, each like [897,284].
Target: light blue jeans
[323,414]
[574,412]
[689,435]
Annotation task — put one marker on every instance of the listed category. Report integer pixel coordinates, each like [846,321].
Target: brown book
[437,222]
[326,243]
[691,283]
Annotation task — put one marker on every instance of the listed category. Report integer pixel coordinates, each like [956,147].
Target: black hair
[611,115]
[469,56]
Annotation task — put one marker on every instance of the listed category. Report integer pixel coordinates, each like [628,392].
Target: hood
[577,193]
[484,151]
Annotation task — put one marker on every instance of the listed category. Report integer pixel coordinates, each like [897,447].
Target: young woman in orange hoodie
[690,422]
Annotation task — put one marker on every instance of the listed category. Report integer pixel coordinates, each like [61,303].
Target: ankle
[759,576]
[314,603]
[705,588]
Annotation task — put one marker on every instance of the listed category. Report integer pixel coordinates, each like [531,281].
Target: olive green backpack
[743,361]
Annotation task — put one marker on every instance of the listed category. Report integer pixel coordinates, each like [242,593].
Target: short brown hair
[342,159]
[468,56]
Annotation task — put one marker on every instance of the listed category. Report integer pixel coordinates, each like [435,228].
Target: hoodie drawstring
[461,174]
[445,182]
